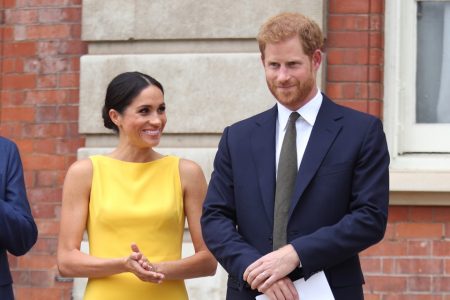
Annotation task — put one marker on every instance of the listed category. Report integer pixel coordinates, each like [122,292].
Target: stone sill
[420,188]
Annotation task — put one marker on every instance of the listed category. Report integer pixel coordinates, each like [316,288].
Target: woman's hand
[139,265]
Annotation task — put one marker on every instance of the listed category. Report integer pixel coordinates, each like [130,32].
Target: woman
[133,204]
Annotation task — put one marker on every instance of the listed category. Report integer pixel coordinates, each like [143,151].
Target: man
[18,232]
[338,199]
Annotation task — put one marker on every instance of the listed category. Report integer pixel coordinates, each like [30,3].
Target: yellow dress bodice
[138,203]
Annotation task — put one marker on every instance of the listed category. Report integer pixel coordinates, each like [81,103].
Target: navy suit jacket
[339,205]
[18,232]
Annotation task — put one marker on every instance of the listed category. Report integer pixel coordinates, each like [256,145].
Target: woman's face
[143,121]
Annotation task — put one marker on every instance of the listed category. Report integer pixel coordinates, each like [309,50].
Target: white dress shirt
[304,124]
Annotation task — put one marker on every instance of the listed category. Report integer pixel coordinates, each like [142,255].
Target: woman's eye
[162,109]
[143,111]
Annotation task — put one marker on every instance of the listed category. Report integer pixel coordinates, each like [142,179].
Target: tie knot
[293,117]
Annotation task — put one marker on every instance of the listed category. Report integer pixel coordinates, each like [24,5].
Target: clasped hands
[269,274]
[139,265]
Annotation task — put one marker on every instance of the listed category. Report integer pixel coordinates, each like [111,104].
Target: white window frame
[420,153]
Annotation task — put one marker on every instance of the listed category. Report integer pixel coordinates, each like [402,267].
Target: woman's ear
[115,117]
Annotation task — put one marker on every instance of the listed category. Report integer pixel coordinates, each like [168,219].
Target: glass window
[433,62]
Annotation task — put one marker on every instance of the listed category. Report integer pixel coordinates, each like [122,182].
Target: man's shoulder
[255,120]
[349,114]
[7,144]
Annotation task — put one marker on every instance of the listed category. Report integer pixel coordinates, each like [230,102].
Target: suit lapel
[263,150]
[322,136]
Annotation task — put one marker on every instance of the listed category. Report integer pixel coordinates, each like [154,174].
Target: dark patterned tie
[287,172]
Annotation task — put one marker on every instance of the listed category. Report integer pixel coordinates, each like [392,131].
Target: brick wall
[39,77]
[413,260]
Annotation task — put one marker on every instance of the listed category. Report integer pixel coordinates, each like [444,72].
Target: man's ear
[317,59]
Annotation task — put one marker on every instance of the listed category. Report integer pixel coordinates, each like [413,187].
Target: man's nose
[283,73]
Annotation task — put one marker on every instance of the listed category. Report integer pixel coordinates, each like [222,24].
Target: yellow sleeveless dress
[138,203]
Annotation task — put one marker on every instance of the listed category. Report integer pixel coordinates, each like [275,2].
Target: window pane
[433,62]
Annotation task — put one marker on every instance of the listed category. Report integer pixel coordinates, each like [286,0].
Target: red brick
[348,6]
[21,277]
[441,284]
[419,283]
[441,248]
[45,130]
[354,104]
[54,65]
[388,265]
[75,31]
[374,108]
[45,246]
[375,92]
[376,22]
[12,261]
[46,97]
[19,49]
[398,213]
[420,266]
[387,248]
[45,114]
[442,214]
[347,73]
[350,56]
[67,147]
[347,39]
[334,90]
[371,265]
[390,232]
[43,162]
[35,263]
[12,97]
[47,227]
[377,6]
[385,283]
[23,16]
[49,178]
[45,210]
[47,81]
[42,278]
[47,195]
[375,40]
[375,73]
[372,297]
[411,296]
[48,31]
[67,113]
[18,114]
[17,82]
[25,146]
[421,213]
[348,22]
[375,56]
[419,247]
[419,230]
[69,79]
[35,293]
[50,15]
[44,146]
[8,33]
[9,3]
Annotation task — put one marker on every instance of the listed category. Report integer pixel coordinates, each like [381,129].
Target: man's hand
[267,270]
[283,289]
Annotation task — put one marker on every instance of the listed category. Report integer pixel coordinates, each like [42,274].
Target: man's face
[290,73]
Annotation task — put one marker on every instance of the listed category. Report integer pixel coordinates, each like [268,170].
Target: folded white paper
[315,288]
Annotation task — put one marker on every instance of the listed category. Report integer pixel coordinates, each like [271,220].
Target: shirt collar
[308,112]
